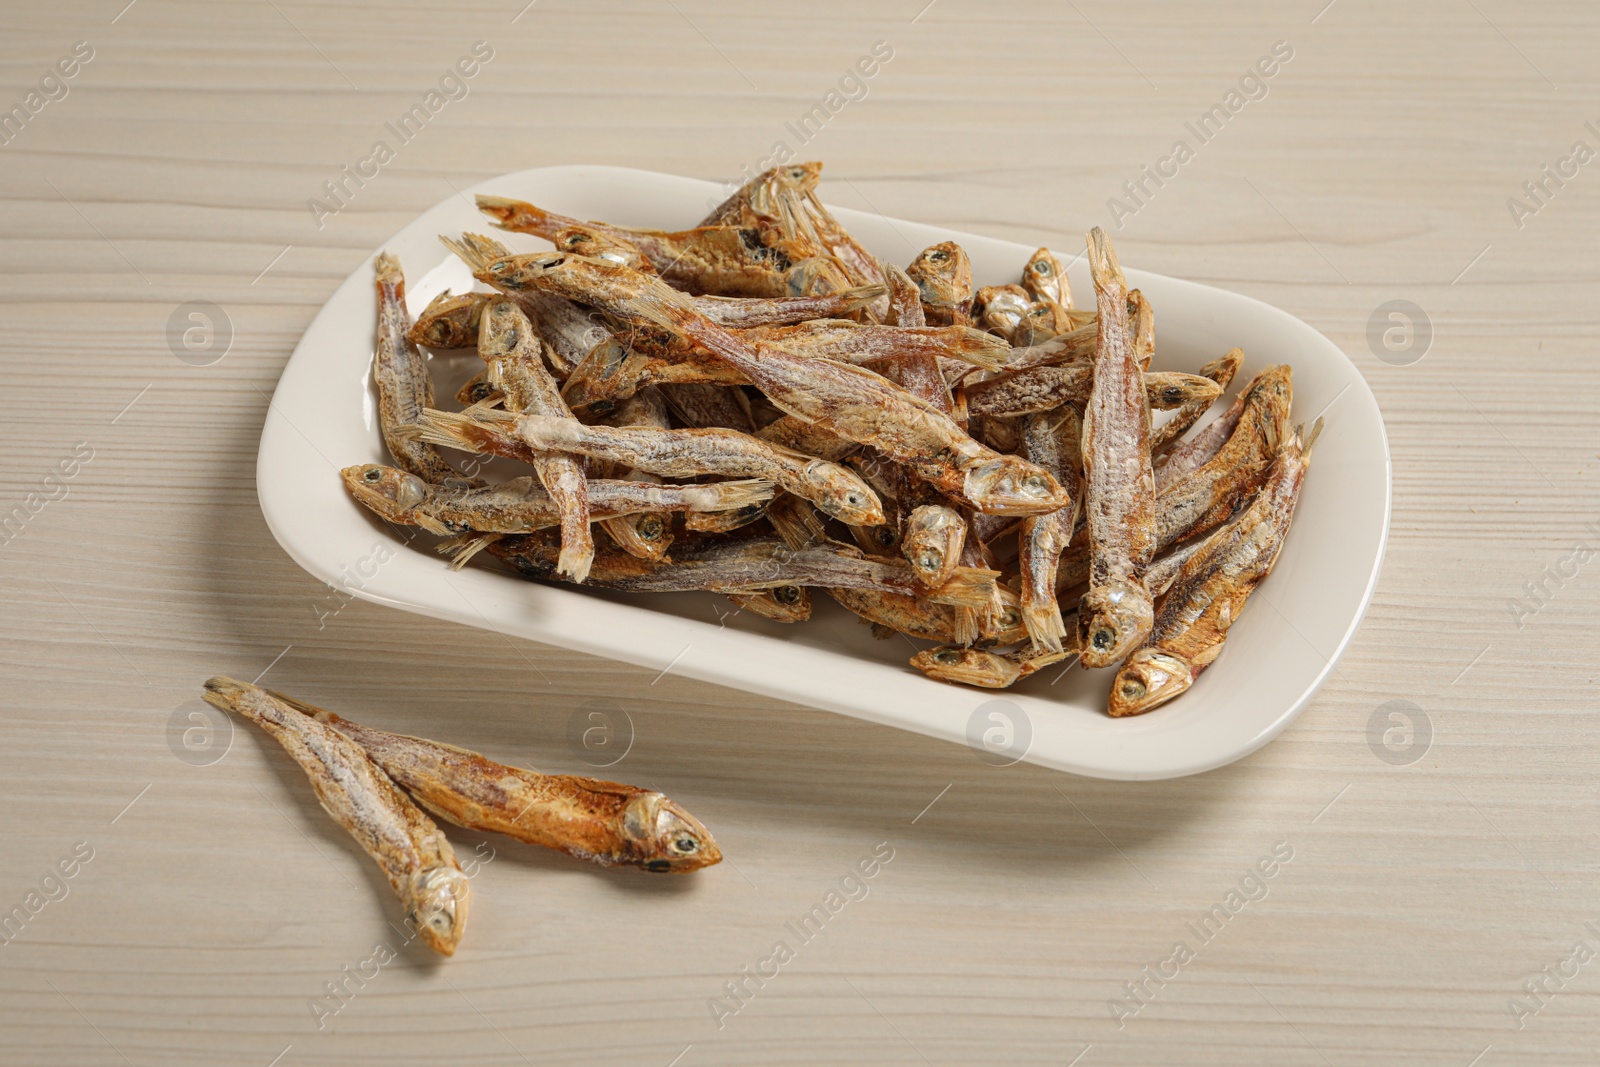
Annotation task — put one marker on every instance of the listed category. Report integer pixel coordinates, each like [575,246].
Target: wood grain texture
[1378,166]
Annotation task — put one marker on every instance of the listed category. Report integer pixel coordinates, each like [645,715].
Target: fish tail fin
[1103,261]
[577,547]
[968,587]
[463,547]
[1042,619]
[387,266]
[858,297]
[1308,441]
[476,250]
[984,350]
[730,496]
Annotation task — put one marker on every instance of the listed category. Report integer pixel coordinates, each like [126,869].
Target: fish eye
[930,559]
[1009,618]
[938,255]
[947,656]
[1103,639]
[652,528]
[786,594]
[373,475]
[797,172]
[685,844]
[1041,267]
[1036,481]
[854,499]
[1133,689]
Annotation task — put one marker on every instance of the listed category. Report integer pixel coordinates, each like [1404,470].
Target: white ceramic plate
[1298,623]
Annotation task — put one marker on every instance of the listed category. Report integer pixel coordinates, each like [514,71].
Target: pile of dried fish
[372,782]
[949,464]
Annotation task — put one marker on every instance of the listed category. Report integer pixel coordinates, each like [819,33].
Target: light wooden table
[218,901]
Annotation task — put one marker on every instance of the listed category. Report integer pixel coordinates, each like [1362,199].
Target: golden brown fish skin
[798,435]
[1222,372]
[836,241]
[1052,441]
[1185,457]
[689,453]
[512,349]
[943,275]
[625,363]
[410,849]
[450,321]
[1119,488]
[1044,277]
[522,505]
[1142,328]
[747,566]
[584,240]
[786,603]
[404,387]
[604,822]
[749,312]
[850,401]
[569,331]
[751,203]
[911,615]
[645,536]
[931,542]
[702,407]
[716,260]
[1211,494]
[905,299]
[978,667]
[1211,589]
[1029,392]
[850,342]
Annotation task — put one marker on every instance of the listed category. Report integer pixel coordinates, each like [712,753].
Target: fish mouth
[1113,620]
[1007,486]
[406,494]
[966,666]
[1149,679]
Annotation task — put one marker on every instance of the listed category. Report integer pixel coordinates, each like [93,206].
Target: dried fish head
[667,838]
[388,491]
[1010,485]
[587,241]
[1149,679]
[1114,617]
[1170,390]
[842,494]
[1001,309]
[441,895]
[1045,277]
[943,274]
[968,666]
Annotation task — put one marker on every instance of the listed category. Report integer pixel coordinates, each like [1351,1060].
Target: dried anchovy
[521,504]
[1211,589]
[744,566]
[400,374]
[405,843]
[604,822]
[1119,489]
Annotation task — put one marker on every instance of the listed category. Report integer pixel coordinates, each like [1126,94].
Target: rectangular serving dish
[322,418]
